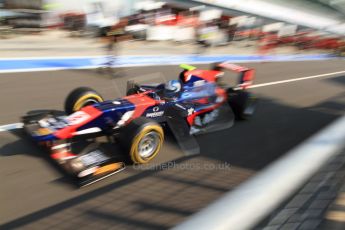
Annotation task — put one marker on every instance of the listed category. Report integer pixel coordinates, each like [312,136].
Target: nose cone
[118,104]
[77,120]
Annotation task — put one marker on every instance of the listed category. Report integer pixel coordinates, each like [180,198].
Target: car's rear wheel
[242,103]
[81,97]
[142,139]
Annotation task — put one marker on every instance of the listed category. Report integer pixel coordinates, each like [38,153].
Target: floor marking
[11,127]
[33,64]
[296,79]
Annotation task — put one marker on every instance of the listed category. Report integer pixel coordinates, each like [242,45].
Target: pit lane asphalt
[34,194]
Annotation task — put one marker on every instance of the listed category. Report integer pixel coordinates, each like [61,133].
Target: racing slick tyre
[242,103]
[81,97]
[142,139]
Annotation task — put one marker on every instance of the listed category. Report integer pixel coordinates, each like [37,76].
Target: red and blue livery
[197,102]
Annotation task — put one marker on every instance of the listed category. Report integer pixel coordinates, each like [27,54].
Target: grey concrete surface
[307,208]
[35,195]
[59,43]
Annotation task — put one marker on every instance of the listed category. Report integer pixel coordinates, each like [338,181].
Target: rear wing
[246,75]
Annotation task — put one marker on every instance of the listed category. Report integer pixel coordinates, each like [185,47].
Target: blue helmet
[173,86]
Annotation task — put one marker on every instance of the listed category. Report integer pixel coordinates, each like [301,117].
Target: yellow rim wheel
[147,144]
[88,97]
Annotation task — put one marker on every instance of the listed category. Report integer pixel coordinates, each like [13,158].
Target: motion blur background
[49,47]
[259,26]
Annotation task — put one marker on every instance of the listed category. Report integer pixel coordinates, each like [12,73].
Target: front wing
[85,161]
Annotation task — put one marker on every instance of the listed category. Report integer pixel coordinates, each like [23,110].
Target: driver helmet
[173,86]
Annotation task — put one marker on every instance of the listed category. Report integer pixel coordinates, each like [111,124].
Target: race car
[197,102]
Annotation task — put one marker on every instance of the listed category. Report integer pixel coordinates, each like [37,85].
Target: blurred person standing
[203,34]
[231,31]
[114,36]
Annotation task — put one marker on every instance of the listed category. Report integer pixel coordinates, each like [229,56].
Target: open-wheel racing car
[197,102]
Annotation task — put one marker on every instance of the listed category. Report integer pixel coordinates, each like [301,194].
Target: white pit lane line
[297,79]
[9,127]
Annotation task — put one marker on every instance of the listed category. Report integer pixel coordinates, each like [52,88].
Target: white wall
[120,7]
[290,11]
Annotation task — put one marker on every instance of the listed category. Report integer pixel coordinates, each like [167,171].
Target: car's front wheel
[81,97]
[142,139]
